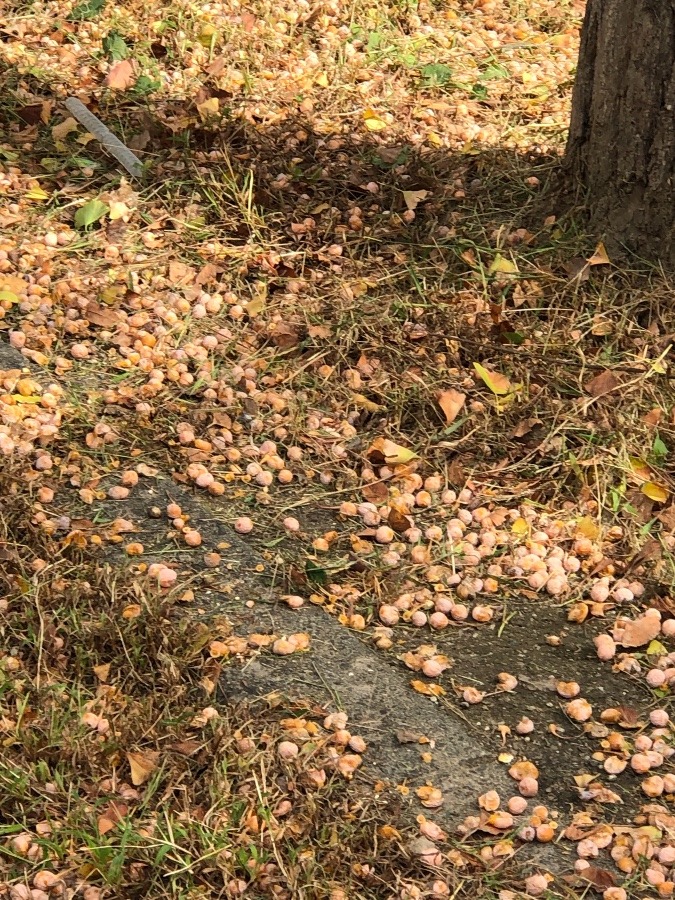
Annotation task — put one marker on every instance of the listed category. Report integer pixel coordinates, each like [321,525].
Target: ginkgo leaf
[429,690]
[89,213]
[393,454]
[36,193]
[640,468]
[209,108]
[502,265]
[656,492]
[142,766]
[372,121]
[414,198]
[588,527]
[600,257]
[451,402]
[499,384]
[121,75]
[365,403]
[520,527]
[656,648]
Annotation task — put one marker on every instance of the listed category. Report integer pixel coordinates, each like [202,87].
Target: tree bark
[622,133]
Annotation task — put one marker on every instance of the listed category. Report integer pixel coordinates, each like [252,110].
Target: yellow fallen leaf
[132,611]
[656,492]
[656,648]
[639,467]
[20,398]
[434,139]
[208,108]
[414,198]
[8,297]
[588,527]
[502,265]
[520,527]
[506,758]
[451,402]
[429,690]
[321,79]
[372,121]
[117,210]
[36,193]
[600,257]
[142,766]
[12,283]
[365,403]
[393,454]
[499,384]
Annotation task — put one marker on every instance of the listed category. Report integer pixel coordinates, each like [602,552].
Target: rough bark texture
[622,134]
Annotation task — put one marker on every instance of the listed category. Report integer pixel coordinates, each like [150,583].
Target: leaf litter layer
[345,305]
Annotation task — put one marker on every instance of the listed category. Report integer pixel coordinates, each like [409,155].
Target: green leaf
[315,573]
[89,213]
[659,448]
[87,10]
[436,74]
[494,72]
[114,46]
[479,91]
[145,85]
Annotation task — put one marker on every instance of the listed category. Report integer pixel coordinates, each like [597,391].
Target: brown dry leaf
[667,517]
[397,521]
[185,748]
[377,492]
[284,335]
[524,427]
[99,315]
[206,274]
[451,402]
[142,766]
[121,75]
[640,631]
[63,129]
[600,794]
[414,198]
[248,21]
[653,417]
[600,257]
[102,672]
[115,812]
[602,384]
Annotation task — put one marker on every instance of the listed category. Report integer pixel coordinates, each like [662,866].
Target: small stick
[93,124]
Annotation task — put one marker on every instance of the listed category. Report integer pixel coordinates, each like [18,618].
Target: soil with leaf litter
[337,543]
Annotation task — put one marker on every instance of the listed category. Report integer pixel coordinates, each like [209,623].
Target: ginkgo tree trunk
[622,133]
